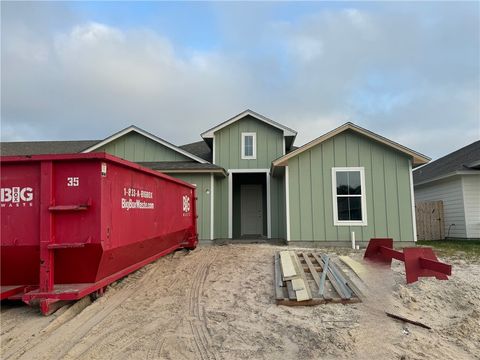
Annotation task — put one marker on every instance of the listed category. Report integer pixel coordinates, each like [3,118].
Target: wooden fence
[430,220]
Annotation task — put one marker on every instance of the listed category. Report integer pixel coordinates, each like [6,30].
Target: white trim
[363,197]
[148,135]
[269,210]
[213,150]
[287,202]
[254,146]
[286,131]
[248,170]
[178,171]
[230,205]
[417,157]
[212,204]
[284,150]
[230,198]
[445,176]
[412,199]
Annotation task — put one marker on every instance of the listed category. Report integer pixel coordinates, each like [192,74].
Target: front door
[251,209]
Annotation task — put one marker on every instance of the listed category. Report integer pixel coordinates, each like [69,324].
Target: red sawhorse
[419,261]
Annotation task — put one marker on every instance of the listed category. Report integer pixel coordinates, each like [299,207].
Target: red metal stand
[419,262]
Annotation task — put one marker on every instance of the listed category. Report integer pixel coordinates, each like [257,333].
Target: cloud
[394,70]
[408,72]
[95,79]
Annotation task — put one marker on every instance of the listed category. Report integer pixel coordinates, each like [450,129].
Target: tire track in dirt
[122,341]
[74,331]
[126,339]
[157,350]
[197,318]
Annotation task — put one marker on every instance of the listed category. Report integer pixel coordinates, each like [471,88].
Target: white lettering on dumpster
[138,201]
[136,204]
[134,192]
[16,196]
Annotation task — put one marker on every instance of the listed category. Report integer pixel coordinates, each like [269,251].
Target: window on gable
[349,196]
[249,146]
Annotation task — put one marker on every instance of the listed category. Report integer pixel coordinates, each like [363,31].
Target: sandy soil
[218,303]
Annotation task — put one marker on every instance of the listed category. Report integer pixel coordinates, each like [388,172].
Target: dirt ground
[217,302]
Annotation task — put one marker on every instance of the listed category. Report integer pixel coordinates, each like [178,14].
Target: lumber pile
[311,278]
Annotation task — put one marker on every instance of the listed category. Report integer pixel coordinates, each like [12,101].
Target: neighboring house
[252,182]
[455,180]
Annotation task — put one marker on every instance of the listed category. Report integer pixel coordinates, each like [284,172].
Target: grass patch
[458,248]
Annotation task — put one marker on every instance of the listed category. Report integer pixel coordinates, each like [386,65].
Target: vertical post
[269,208]
[412,200]
[195,220]
[230,204]
[287,203]
[46,227]
[212,204]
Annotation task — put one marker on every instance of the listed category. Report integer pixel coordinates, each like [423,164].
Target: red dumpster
[72,224]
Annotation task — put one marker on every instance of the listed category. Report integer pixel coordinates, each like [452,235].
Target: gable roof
[466,159]
[148,135]
[418,159]
[44,147]
[286,130]
[200,149]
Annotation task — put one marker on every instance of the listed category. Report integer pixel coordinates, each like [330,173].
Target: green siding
[203,183]
[294,193]
[318,210]
[277,200]
[136,147]
[221,208]
[228,144]
[387,190]
[328,163]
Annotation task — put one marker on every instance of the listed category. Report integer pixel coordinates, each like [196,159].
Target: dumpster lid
[90,156]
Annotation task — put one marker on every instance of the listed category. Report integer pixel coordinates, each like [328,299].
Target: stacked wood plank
[310,279]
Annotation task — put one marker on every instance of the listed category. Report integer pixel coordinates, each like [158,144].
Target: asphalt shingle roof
[466,158]
[200,149]
[44,147]
[179,165]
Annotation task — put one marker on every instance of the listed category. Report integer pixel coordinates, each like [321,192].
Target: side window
[249,146]
[349,202]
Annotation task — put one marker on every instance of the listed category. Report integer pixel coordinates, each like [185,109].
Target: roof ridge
[451,154]
[45,141]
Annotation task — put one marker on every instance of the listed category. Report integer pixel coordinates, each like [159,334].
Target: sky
[409,71]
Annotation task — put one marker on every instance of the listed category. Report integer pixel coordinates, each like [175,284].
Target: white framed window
[249,145]
[349,198]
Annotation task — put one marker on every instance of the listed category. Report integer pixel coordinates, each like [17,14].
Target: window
[349,205]
[249,146]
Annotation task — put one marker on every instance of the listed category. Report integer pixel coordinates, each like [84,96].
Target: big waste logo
[186,204]
[16,196]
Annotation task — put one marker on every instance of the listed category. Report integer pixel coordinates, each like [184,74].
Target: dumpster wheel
[97,294]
